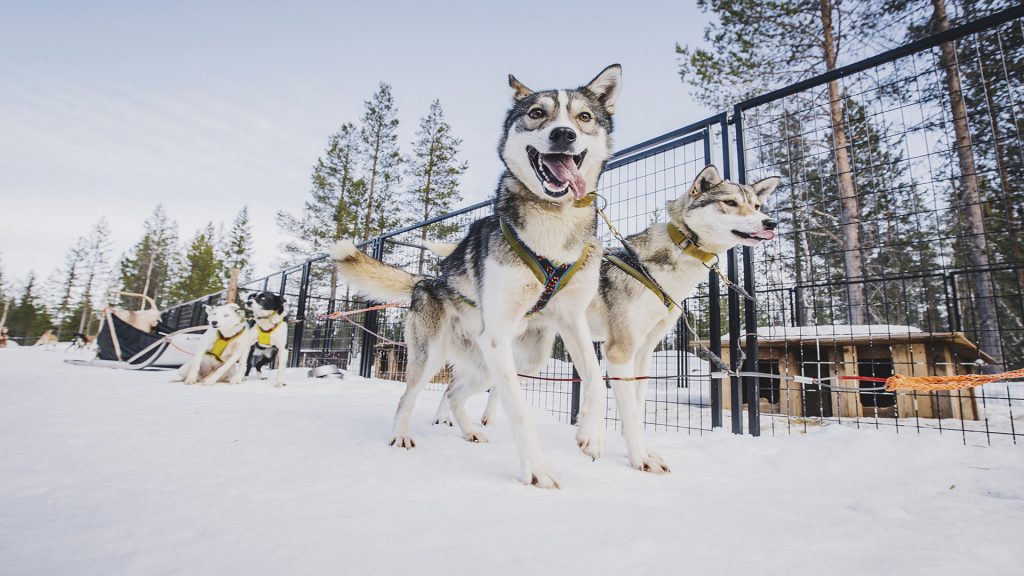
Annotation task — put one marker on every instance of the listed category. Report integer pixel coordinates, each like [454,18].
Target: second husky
[530,268]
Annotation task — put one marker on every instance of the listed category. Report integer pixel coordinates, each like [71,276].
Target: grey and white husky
[631,314]
[528,270]
[631,317]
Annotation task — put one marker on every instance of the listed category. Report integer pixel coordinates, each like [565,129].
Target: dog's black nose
[563,136]
[769,224]
[213,323]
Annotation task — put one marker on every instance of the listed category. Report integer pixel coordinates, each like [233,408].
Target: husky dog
[271,335]
[531,267]
[221,349]
[631,314]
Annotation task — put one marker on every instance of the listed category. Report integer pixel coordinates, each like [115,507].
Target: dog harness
[631,264]
[552,275]
[263,336]
[221,344]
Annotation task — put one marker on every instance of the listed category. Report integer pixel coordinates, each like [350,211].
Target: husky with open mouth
[634,308]
[526,271]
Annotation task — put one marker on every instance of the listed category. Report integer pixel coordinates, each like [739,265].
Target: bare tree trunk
[849,206]
[986,321]
[372,190]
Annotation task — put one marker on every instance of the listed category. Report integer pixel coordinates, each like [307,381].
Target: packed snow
[117,472]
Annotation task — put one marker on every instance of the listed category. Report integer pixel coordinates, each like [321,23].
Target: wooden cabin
[389,361]
[875,351]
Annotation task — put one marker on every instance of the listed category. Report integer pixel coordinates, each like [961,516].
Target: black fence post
[735,386]
[751,384]
[574,408]
[715,335]
[300,315]
[370,324]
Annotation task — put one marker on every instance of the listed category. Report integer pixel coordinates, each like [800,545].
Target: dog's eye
[536,113]
[585,117]
[732,203]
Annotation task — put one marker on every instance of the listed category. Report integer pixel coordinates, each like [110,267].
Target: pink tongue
[764,234]
[564,168]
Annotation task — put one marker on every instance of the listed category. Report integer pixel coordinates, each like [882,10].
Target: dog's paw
[590,439]
[402,442]
[262,376]
[475,437]
[191,380]
[280,384]
[443,421]
[487,420]
[541,478]
[651,463]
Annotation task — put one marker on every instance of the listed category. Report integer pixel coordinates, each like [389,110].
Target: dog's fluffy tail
[372,278]
[441,249]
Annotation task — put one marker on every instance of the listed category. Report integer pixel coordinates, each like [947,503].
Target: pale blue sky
[107,108]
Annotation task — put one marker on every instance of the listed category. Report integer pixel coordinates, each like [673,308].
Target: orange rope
[933,383]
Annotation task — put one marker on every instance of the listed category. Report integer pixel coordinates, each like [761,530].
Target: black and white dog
[520,274]
[270,333]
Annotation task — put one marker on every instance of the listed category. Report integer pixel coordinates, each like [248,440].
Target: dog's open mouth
[760,235]
[559,172]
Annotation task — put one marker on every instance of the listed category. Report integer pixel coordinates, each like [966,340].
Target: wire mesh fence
[899,252]
[901,207]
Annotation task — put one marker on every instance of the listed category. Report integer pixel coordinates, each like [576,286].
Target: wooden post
[910,359]
[233,285]
[848,403]
[3,319]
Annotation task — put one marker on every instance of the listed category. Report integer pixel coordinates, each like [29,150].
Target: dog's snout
[563,136]
[213,323]
[769,224]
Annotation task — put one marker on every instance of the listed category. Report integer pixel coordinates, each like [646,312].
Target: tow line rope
[891,384]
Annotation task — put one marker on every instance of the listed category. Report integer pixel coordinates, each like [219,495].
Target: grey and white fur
[630,319]
[554,145]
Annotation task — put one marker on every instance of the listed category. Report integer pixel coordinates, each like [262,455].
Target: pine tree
[148,266]
[95,269]
[434,171]
[757,45]
[236,247]
[201,269]
[332,212]
[382,161]
[28,318]
[69,294]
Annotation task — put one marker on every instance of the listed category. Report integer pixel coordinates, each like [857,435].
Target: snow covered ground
[115,472]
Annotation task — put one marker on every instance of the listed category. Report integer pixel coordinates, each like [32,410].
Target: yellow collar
[691,248]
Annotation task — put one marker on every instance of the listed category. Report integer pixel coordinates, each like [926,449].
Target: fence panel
[900,246]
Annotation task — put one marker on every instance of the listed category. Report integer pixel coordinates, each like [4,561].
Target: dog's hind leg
[423,363]
[491,410]
[457,396]
[590,434]
[443,415]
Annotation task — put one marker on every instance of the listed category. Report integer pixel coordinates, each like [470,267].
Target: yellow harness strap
[263,336]
[221,344]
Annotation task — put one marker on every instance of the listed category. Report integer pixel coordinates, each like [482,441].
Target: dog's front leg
[231,361]
[590,433]
[194,366]
[282,361]
[497,351]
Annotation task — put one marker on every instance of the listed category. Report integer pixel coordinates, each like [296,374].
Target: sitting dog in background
[223,345]
[271,335]
[145,320]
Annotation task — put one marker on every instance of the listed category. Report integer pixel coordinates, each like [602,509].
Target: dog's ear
[240,312]
[606,86]
[282,303]
[208,309]
[706,180]
[519,90]
[765,187]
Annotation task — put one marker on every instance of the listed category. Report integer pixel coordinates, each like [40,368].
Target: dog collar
[691,248]
[552,276]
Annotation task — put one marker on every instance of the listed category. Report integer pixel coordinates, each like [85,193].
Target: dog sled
[123,346]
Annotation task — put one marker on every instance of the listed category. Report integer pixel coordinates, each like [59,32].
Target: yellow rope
[935,383]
